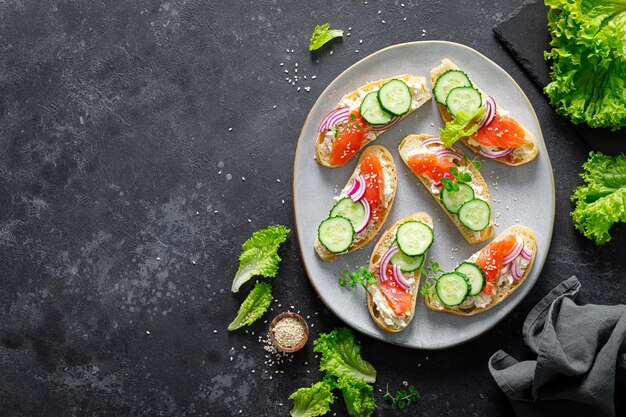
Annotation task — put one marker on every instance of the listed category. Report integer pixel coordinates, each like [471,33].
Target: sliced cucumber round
[463,99]
[372,112]
[452,288]
[407,263]
[475,215]
[453,200]
[447,81]
[474,274]
[414,238]
[395,97]
[336,234]
[346,208]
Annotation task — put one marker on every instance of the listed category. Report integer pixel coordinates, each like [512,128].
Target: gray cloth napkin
[581,352]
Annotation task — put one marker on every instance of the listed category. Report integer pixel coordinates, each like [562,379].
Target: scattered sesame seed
[274,106]
[356,51]
[383,21]
[307,89]
[314,77]
[277,179]
[216,211]
[230,129]
[379,12]
[281,64]
[360,41]
[147,331]
[331,52]
[243,178]
[249,221]
[404,18]
[214,331]
[298,89]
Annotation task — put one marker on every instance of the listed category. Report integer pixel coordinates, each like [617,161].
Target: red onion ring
[516,271]
[432,140]
[445,152]
[526,253]
[384,260]
[490,112]
[505,269]
[368,215]
[378,128]
[335,117]
[357,191]
[515,252]
[495,154]
[438,183]
[402,282]
[355,186]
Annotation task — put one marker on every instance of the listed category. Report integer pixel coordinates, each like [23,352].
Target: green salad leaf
[322,34]
[313,401]
[464,124]
[341,355]
[260,255]
[358,396]
[588,61]
[254,306]
[601,200]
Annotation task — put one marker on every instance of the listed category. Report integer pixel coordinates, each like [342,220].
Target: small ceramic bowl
[289,349]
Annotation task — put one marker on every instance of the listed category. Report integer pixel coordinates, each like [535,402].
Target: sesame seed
[249,221]
[230,129]
[331,52]
[243,178]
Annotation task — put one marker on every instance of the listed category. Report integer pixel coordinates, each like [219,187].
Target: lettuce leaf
[463,125]
[341,356]
[322,34]
[260,255]
[254,306]
[588,61]
[313,401]
[601,200]
[358,396]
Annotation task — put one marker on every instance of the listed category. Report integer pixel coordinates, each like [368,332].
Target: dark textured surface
[120,227]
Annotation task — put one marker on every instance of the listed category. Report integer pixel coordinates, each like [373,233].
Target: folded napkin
[581,352]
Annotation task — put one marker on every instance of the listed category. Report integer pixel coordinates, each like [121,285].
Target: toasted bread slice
[419,91]
[519,156]
[366,236]
[469,307]
[383,316]
[410,146]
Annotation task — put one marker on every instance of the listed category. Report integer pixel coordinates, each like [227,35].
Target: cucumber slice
[475,215]
[414,238]
[346,208]
[463,99]
[407,263]
[453,200]
[447,81]
[474,274]
[372,112]
[336,234]
[395,97]
[452,288]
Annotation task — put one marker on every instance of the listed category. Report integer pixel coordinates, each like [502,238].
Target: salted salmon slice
[503,132]
[372,171]
[490,261]
[430,166]
[399,299]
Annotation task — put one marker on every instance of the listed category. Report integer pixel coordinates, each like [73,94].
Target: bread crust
[423,95]
[470,236]
[381,247]
[528,237]
[391,177]
[530,147]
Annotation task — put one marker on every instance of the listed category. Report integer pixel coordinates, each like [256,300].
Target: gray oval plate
[521,195]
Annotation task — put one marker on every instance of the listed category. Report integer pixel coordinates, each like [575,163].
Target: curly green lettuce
[588,61]
[341,356]
[463,125]
[358,396]
[601,200]
[254,306]
[322,34]
[260,255]
[313,401]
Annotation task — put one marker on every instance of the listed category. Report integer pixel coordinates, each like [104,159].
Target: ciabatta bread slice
[519,156]
[419,91]
[504,287]
[377,304]
[390,181]
[412,145]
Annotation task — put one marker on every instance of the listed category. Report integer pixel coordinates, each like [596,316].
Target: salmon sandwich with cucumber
[454,182]
[396,264]
[361,208]
[477,120]
[487,277]
[363,115]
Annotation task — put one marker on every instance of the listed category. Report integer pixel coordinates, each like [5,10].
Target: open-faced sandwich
[453,181]
[487,277]
[396,264]
[499,136]
[361,116]
[361,208]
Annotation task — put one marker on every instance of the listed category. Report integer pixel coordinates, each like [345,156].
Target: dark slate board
[525,35]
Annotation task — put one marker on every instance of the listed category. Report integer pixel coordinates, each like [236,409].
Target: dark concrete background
[123,206]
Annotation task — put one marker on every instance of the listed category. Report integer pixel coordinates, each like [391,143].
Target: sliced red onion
[378,128]
[526,253]
[384,260]
[490,111]
[515,252]
[357,191]
[449,153]
[516,271]
[366,219]
[505,269]
[438,183]
[335,117]
[402,282]
[432,140]
[495,154]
